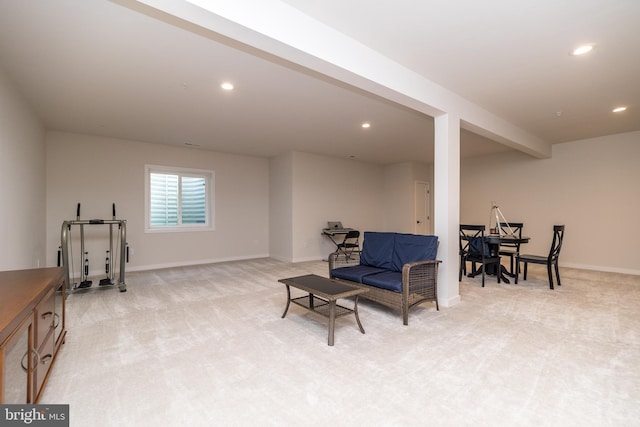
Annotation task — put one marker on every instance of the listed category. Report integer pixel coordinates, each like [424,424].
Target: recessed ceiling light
[581,50]
[619,109]
[227,86]
[366,125]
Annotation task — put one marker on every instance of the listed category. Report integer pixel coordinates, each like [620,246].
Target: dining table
[494,241]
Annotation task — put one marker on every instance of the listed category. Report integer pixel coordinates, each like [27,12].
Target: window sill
[178,229]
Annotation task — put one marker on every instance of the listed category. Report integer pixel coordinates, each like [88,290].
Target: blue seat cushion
[390,280]
[413,247]
[355,273]
[377,249]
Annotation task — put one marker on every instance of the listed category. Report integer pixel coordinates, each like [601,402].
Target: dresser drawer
[29,341]
[42,364]
[44,317]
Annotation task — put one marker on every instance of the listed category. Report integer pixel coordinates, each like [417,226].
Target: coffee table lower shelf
[321,306]
[322,297]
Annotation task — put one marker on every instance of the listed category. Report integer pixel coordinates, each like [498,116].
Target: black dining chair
[475,248]
[350,243]
[550,260]
[511,249]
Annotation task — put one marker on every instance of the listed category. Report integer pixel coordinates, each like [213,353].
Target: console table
[32,330]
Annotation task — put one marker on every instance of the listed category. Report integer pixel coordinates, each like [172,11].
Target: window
[178,199]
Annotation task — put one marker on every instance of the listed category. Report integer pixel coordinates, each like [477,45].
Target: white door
[422,219]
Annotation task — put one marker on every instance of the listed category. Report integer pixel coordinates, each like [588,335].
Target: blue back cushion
[377,249]
[413,247]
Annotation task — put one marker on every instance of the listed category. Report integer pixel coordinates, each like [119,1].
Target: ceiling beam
[277,29]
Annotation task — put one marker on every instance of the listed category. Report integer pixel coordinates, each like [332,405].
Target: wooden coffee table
[322,297]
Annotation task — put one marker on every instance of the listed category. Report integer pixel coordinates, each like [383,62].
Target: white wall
[310,190]
[399,194]
[98,171]
[281,207]
[399,197]
[22,182]
[278,207]
[307,190]
[330,189]
[591,186]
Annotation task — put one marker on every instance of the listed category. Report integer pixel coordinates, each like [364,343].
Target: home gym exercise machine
[66,250]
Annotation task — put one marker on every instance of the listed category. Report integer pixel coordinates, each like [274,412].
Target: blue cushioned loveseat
[399,270]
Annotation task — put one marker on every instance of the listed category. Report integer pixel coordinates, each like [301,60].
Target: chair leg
[526,264]
[511,264]
[549,273]
[483,265]
[557,273]
[517,269]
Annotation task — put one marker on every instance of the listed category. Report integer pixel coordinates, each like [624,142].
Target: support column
[447,204]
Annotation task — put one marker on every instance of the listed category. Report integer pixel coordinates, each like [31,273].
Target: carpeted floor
[206,346]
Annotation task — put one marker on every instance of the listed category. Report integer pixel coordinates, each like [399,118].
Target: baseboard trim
[193,263]
[450,302]
[601,268]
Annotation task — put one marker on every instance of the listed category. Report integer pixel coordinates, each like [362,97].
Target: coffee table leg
[355,311]
[332,320]
[288,301]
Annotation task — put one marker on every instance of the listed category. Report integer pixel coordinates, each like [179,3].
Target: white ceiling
[96,67]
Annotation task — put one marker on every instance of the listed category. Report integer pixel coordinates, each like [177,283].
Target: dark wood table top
[505,238]
[329,289]
[20,291]
[336,231]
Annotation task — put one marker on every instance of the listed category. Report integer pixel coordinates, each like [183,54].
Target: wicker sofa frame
[419,284]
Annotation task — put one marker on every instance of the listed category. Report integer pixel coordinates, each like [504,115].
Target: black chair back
[556,244]
[514,228]
[551,261]
[351,237]
[511,249]
[472,241]
[350,244]
[474,247]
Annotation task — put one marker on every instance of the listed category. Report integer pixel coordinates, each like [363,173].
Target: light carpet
[206,346]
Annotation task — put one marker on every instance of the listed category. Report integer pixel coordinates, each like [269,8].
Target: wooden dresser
[32,330]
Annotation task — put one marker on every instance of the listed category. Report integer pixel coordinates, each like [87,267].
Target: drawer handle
[26,368]
[56,320]
[47,314]
[46,359]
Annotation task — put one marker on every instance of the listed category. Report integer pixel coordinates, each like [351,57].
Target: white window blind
[178,199]
[193,201]
[164,200]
